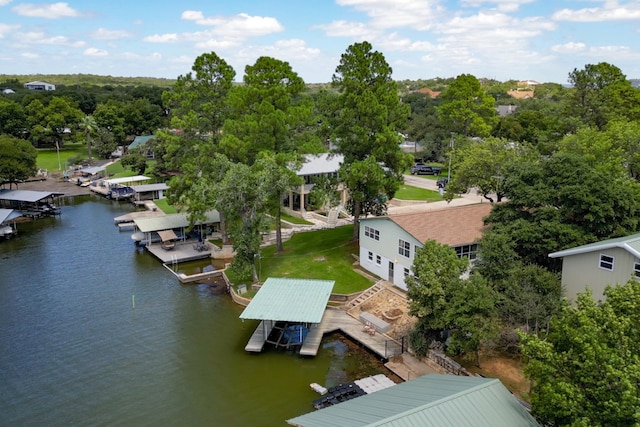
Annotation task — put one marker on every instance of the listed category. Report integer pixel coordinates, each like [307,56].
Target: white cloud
[39,37]
[569,48]
[356,30]
[162,38]
[104,34]
[611,11]
[48,11]
[4,2]
[30,55]
[6,29]
[416,14]
[241,25]
[501,5]
[92,51]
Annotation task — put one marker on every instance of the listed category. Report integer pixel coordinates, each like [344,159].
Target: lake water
[75,351]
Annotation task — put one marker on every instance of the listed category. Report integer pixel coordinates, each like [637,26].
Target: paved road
[417,181]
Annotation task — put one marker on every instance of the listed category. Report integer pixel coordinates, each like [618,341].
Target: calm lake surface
[74,350]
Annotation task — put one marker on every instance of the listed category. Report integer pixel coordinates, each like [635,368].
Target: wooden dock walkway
[182,252]
[259,337]
[339,320]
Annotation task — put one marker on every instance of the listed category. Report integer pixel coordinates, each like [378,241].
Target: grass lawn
[322,255]
[48,158]
[164,206]
[294,219]
[408,192]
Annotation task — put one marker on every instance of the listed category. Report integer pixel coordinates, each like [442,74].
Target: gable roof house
[313,167]
[432,401]
[39,86]
[388,244]
[599,264]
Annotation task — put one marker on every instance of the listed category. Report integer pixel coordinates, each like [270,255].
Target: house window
[404,248]
[370,256]
[636,269]
[466,251]
[406,272]
[378,260]
[371,232]
[606,262]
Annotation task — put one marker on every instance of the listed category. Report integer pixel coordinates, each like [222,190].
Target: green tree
[602,93]
[109,116]
[586,372]
[198,107]
[18,160]
[365,123]
[483,164]
[559,202]
[135,160]
[13,120]
[436,269]
[466,108]
[471,316]
[88,126]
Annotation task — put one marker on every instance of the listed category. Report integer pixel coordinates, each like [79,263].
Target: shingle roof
[454,226]
[320,164]
[290,300]
[430,401]
[629,243]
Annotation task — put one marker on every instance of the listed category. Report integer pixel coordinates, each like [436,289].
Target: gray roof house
[599,264]
[314,166]
[388,244]
[428,401]
[37,85]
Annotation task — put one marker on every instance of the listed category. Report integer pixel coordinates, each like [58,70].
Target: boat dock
[181,252]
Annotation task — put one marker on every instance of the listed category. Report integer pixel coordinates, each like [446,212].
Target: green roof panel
[290,300]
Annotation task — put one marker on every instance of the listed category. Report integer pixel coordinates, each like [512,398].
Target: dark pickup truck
[421,169]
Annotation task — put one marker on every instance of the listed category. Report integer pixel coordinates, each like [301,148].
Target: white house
[596,265]
[314,166]
[388,244]
[39,86]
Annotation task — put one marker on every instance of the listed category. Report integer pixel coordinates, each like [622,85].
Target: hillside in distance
[88,80]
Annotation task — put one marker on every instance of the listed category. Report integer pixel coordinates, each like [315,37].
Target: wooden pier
[259,337]
[183,251]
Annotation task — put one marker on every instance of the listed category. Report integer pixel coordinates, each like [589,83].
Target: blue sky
[540,40]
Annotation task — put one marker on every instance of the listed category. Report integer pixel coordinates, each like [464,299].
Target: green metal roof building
[429,401]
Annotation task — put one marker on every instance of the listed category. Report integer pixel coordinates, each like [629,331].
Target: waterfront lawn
[164,206]
[408,192]
[69,154]
[322,255]
[294,219]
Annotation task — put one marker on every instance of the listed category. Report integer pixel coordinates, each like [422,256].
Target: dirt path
[54,185]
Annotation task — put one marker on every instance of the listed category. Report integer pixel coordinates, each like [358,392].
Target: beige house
[599,264]
[388,244]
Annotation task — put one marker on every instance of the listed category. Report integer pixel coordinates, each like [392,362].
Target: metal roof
[167,222]
[26,195]
[629,243]
[290,300]
[92,170]
[431,401]
[150,187]
[320,164]
[8,215]
[140,140]
[126,179]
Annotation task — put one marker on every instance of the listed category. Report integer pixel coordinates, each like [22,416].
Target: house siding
[387,249]
[582,271]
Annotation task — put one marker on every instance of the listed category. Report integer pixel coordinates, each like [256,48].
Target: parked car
[420,169]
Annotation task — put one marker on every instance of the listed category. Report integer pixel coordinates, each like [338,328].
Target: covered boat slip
[165,236]
[30,203]
[7,222]
[144,192]
[289,311]
[117,188]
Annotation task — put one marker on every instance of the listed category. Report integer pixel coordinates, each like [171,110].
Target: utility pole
[450,156]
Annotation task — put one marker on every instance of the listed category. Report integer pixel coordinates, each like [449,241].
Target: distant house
[8,91]
[314,166]
[599,264]
[430,400]
[521,93]
[39,86]
[505,110]
[430,93]
[141,143]
[388,244]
